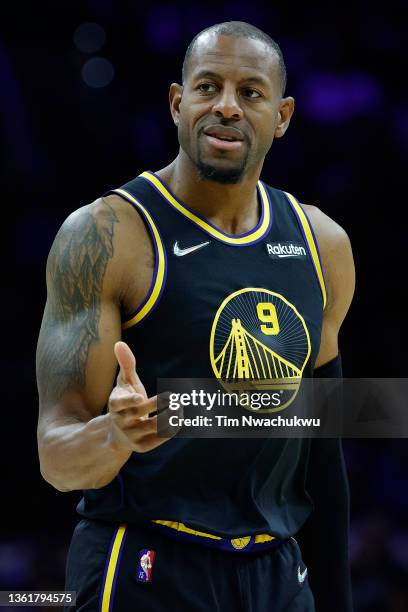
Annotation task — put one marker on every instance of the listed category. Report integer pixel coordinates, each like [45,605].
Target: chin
[217,174]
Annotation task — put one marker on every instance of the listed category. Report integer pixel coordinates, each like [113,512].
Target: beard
[224,176]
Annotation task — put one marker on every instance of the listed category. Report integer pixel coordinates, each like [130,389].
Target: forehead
[234,55]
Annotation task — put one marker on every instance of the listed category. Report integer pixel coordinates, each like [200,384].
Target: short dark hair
[238,28]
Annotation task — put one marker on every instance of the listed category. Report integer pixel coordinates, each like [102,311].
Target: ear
[175,95]
[285,112]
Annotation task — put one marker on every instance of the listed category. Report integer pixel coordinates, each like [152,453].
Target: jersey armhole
[311,241]
[160,266]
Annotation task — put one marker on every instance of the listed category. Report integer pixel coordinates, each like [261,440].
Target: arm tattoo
[76,269]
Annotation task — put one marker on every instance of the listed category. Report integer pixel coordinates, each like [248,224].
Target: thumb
[127,363]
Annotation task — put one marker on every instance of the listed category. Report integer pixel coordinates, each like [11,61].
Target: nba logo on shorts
[145,564]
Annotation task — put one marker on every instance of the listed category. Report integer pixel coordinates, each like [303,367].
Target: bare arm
[79,447]
[324,538]
[337,256]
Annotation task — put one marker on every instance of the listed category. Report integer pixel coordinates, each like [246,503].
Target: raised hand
[130,407]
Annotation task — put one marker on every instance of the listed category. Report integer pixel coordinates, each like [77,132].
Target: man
[177,259]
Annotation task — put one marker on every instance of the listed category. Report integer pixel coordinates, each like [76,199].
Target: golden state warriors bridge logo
[259,342]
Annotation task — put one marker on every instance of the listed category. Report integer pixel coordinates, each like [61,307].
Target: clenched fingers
[124,398]
[141,432]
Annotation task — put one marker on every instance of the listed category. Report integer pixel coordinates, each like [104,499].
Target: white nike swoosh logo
[301,575]
[180,252]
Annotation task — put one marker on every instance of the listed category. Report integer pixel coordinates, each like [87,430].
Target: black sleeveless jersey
[209,287]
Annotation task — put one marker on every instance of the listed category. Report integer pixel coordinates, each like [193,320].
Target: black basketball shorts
[117,568]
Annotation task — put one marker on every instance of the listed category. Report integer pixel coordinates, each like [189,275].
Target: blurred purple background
[83,106]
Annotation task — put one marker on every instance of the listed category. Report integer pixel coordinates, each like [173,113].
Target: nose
[227,104]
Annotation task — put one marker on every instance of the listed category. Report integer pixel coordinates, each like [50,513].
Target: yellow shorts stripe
[112,566]
[181,527]
[263,537]
[259,539]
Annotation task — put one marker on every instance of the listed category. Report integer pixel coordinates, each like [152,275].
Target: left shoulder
[337,258]
[329,234]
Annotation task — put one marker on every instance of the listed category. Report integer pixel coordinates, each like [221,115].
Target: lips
[224,138]
[221,132]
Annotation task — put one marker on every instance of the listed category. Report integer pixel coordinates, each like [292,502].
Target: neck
[233,208]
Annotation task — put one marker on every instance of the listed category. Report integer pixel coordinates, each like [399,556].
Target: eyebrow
[201,74]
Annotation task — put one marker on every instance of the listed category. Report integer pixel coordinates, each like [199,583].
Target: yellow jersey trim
[249,238]
[313,247]
[112,566]
[160,269]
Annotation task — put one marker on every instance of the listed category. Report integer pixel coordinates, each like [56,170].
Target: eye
[206,88]
[252,93]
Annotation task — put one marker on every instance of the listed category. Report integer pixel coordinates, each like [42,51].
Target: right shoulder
[102,213]
[100,238]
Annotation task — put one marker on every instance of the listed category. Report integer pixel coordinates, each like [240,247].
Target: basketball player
[169,263]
